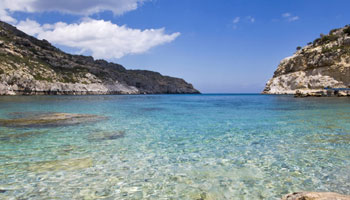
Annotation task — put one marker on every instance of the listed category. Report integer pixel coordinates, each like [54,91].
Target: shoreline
[314,93]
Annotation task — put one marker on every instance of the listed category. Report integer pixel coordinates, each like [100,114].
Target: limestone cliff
[32,66]
[323,63]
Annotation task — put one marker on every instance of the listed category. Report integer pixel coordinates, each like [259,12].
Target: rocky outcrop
[323,63]
[315,196]
[31,66]
[50,119]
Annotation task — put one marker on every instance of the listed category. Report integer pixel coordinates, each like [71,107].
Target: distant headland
[322,68]
[29,66]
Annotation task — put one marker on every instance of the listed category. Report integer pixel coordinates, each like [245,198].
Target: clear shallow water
[179,147]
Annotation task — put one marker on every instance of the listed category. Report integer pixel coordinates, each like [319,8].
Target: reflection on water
[174,147]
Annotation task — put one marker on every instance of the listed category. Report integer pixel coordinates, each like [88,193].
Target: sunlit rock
[58,165]
[315,196]
[325,63]
[18,136]
[50,119]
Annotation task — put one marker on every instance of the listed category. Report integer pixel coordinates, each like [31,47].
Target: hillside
[31,66]
[324,63]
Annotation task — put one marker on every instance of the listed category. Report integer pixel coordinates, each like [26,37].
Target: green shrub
[347,30]
[328,38]
[317,40]
[336,48]
[68,78]
[298,48]
[332,31]
[327,50]
[40,78]
[325,39]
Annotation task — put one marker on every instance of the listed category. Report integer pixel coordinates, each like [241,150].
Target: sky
[220,46]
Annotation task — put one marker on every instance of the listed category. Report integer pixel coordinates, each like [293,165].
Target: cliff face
[32,66]
[323,63]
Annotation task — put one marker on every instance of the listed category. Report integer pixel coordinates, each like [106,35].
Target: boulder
[316,196]
[342,94]
[346,41]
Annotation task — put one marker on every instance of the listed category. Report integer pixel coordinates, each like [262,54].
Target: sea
[195,147]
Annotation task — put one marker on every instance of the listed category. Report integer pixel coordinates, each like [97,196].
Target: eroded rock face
[34,67]
[324,63]
[50,119]
[315,196]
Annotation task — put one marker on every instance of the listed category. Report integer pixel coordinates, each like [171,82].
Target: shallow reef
[14,136]
[106,135]
[50,119]
[58,165]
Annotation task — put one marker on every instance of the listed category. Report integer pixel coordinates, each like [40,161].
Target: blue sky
[230,46]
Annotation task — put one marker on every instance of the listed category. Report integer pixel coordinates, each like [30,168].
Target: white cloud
[30,27]
[236,20]
[293,18]
[107,40]
[4,16]
[79,7]
[251,19]
[289,17]
[285,15]
[102,39]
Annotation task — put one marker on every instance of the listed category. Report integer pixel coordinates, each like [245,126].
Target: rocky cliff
[321,64]
[31,66]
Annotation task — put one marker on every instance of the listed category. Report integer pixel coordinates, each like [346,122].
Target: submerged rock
[106,135]
[58,165]
[18,136]
[315,196]
[50,119]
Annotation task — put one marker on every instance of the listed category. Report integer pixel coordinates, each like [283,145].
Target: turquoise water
[178,147]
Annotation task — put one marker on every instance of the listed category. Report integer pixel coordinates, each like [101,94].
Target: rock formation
[325,63]
[315,196]
[31,66]
[50,119]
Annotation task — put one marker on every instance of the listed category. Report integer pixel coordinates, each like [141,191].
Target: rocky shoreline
[45,88]
[324,63]
[323,93]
